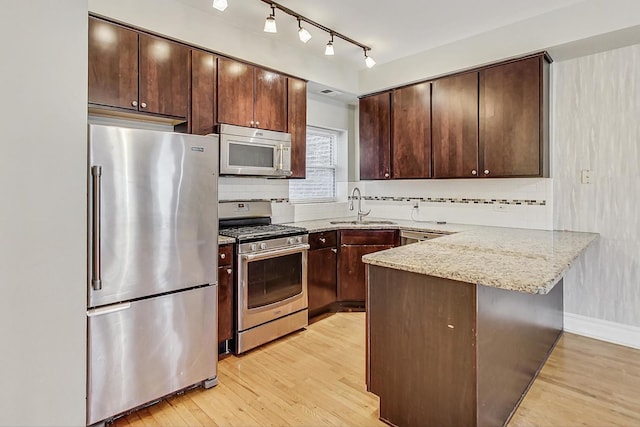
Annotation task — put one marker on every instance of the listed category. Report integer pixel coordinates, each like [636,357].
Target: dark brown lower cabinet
[225,293]
[351,270]
[322,272]
[447,353]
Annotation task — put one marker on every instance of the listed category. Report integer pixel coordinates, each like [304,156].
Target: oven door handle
[275,253]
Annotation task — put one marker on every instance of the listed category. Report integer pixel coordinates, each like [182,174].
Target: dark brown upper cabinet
[411,147]
[137,72]
[488,122]
[455,126]
[251,96]
[163,76]
[113,65]
[512,106]
[297,125]
[375,136]
[203,79]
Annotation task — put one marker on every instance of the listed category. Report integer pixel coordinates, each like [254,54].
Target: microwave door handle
[272,254]
[96,273]
[280,165]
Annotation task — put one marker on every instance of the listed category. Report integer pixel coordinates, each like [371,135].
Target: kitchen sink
[372,222]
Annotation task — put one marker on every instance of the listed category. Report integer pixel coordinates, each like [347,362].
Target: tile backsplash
[514,202]
[520,202]
[249,188]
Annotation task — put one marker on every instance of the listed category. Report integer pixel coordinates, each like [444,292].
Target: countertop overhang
[518,259]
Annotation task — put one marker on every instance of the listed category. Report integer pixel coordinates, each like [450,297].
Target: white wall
[43,81]
[597,127]
[332,114]
[578,21]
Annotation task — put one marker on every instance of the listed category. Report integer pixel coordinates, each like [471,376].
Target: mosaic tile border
[278,200]
[456,200]
[430,200]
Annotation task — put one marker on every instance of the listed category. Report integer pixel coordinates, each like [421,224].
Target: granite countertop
[524,260]
[326,225]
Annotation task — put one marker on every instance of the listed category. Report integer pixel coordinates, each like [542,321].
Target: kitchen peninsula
[458,327]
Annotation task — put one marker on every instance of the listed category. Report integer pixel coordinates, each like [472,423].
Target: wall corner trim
[604,330]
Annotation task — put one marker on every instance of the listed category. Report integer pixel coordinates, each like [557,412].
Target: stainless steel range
[271,285]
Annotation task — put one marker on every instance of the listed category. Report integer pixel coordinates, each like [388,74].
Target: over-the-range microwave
[254,152]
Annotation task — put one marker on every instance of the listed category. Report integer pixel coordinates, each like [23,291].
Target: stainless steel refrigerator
[152,285]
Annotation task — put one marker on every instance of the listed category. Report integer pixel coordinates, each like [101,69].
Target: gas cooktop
[252,233]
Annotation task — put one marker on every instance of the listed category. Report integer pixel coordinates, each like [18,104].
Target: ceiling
[393,30]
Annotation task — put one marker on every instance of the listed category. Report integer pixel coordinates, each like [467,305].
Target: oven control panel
[272,244]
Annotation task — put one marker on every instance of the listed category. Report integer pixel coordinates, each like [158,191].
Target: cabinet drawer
[325,239]
[368,237]
[225,255]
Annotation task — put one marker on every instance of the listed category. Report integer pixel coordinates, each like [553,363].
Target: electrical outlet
[586,177]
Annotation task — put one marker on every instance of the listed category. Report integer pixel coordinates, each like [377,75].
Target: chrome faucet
[360,213]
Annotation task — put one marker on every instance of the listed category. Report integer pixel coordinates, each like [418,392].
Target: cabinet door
[270,108]
[412,131]
[297,125]
[203,77]
[321,278]
[455,126]
[235,92]
[113,65]
[375,136]
[510,119]
[164,77]
[225,303]
[351,271]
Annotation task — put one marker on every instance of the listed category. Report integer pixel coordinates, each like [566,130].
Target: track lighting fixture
[368,60]
[270,22]
[221,5]
[329,49]
[304,35]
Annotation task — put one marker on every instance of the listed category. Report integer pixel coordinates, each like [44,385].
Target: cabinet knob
[322,240]
[252,122]
[474,172]
[229,271]
[386,174]
[486,171]
[134,103]
[334,250]
[222,256]
[143,105]
[257,123]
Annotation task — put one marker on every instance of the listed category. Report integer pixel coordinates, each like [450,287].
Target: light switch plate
[586,176]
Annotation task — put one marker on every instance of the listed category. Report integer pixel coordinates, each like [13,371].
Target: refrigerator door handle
[96,273]
[109,309]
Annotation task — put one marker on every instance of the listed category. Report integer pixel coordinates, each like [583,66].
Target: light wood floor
[316,377]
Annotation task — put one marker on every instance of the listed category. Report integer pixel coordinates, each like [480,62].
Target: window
[320,182]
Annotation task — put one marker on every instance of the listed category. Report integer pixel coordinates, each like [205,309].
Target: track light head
[368,60]
[329,49]
[221,5]
[270,22]
[304,35]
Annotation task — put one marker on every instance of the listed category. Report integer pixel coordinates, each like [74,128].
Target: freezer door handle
[96,273]
[109,309]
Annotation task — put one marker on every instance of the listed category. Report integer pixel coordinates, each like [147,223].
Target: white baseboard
[603,330]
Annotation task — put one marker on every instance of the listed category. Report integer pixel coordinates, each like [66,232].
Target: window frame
[334,135]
